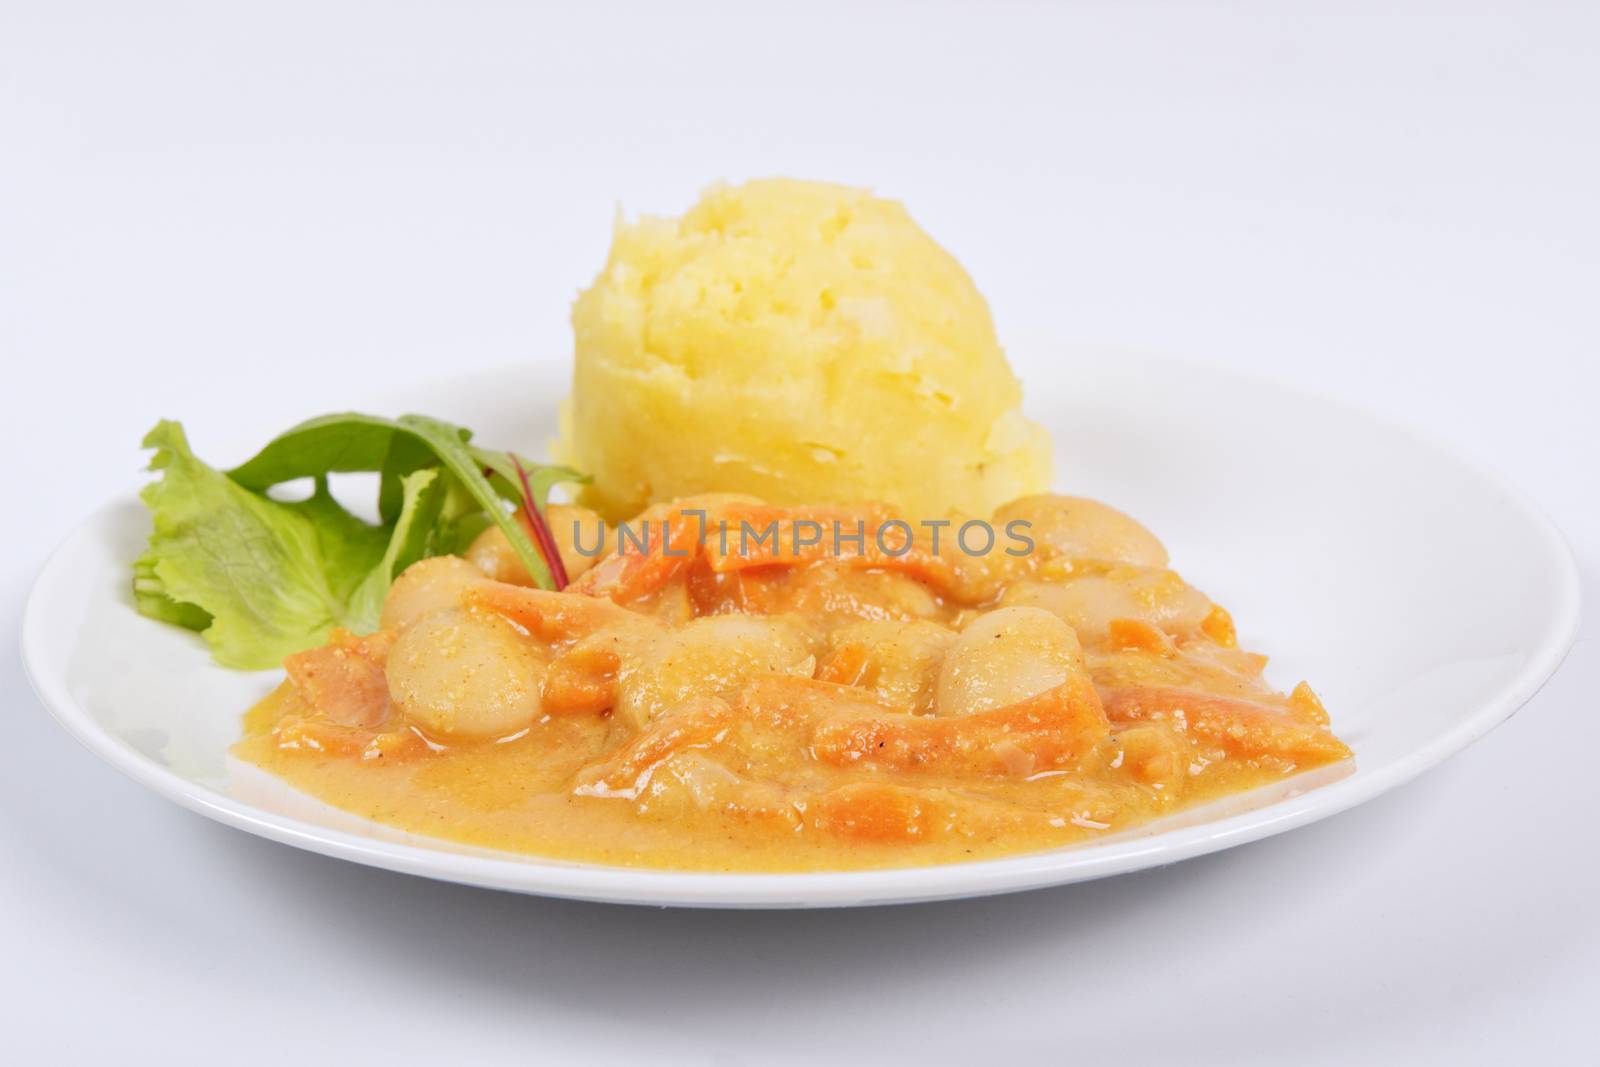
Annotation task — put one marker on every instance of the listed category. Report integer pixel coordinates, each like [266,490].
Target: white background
[232,213]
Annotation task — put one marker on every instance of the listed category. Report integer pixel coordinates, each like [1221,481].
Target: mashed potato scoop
[803,342]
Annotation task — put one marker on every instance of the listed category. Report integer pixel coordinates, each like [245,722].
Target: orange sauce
[856,754]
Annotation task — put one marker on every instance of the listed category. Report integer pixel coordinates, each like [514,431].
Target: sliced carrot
[344,679]
[549,616]
[582,682]
[868,811]
[1050,730]
[1241,727]
[870,537]
[759,535]
[904,814]
[627,770]
[846,665]
[834,724]
[1136,635]
[1306,705]
[1218,626]
[668,540]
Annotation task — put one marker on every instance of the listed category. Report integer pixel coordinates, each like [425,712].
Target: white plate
[1424,599]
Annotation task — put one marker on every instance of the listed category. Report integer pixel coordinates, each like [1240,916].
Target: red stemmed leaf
[542,537]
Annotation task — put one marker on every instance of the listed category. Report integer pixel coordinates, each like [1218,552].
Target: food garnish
[262,577]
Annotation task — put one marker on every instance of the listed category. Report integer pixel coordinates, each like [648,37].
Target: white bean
[1078,528]
[1006,656]
[491,551]
[710,656]
[459,675]
[426,587]
[1088,604]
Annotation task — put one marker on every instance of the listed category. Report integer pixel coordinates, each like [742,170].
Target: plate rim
[652,887]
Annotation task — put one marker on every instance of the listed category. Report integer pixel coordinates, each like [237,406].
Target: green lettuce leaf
[480,480]
[450,444]
[261,578]
[417,535]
